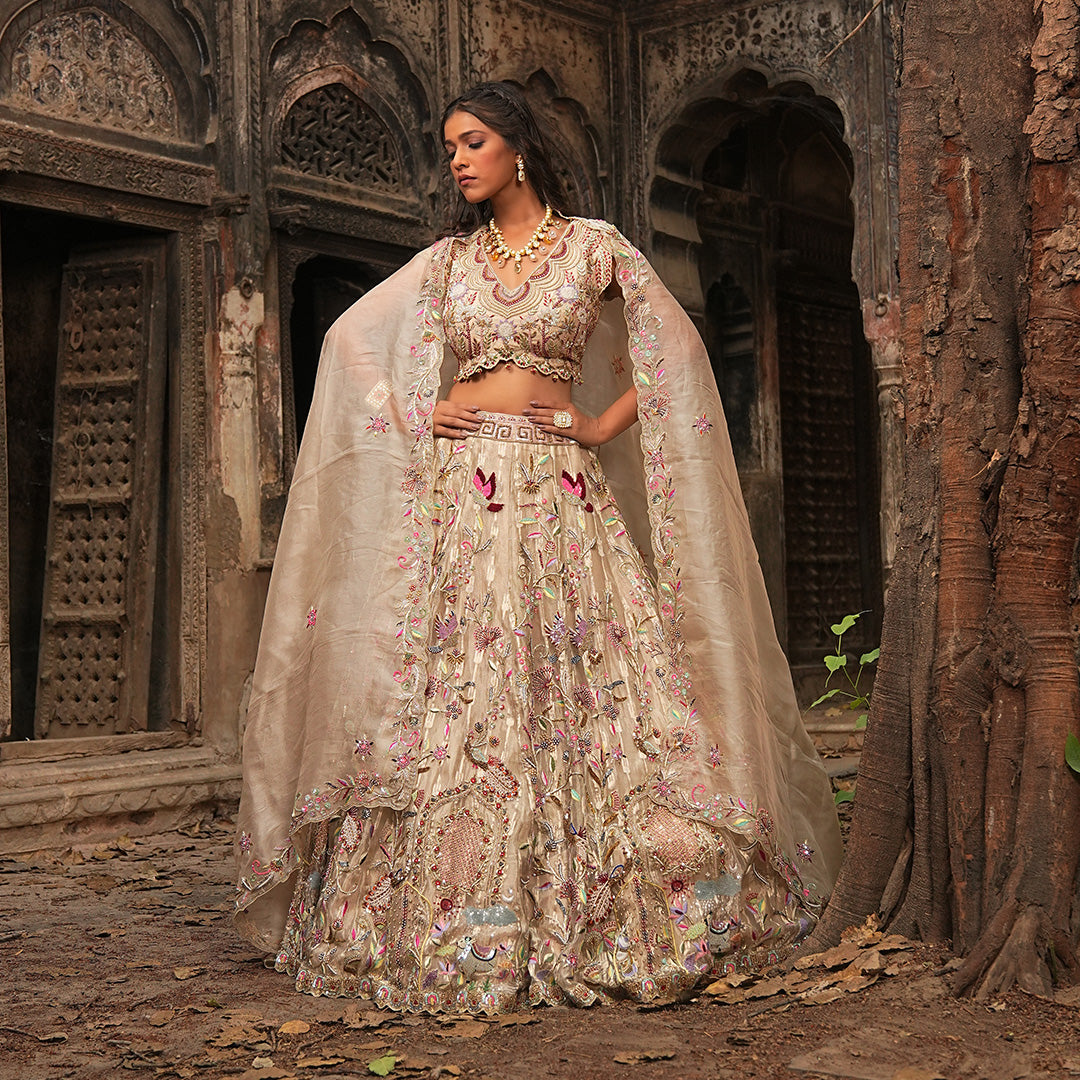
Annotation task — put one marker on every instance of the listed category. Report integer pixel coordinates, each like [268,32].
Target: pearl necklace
[496,246]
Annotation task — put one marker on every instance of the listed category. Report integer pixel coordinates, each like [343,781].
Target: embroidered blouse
[545,323]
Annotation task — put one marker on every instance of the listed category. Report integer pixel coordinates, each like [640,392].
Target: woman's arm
[585,429]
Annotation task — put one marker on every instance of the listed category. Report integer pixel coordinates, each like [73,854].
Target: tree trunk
[967,820]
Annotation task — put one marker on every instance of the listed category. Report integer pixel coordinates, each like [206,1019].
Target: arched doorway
[759,183]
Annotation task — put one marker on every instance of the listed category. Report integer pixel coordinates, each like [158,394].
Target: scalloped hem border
[473,999]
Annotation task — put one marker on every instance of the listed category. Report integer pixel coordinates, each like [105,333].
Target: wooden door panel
[97,612]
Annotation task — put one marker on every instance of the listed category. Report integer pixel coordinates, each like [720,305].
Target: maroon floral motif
[486,486]
[484,636]
[575,485]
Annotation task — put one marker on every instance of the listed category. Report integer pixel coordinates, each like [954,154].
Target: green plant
[857,700]
[1072,752]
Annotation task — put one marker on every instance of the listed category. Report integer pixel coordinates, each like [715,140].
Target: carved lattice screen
[5,601]
[97,614]
[332,133]
[821,481]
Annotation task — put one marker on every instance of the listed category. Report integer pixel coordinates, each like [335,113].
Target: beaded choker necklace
[496,246]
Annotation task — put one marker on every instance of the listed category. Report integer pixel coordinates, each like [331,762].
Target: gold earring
[520,170]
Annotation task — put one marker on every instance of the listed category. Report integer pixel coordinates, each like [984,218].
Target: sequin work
[539,861]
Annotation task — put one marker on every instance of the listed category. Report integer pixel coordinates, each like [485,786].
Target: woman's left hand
[583,428]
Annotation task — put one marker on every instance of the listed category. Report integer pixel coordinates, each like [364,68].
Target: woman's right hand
[452,420]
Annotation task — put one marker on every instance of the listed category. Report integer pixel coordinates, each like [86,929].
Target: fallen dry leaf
[767,988]
[840,956]
[913,1072]
[822,997]
[187,972]
[294,1027]
[100,883]
[641,1057]
[318,1062]
[266,1074]
[871,963]
[518,1019]
[159,1017]
[894,943]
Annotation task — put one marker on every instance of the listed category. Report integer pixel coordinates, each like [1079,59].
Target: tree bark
[966,819]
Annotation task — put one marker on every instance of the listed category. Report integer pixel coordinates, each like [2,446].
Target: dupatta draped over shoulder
[340,679]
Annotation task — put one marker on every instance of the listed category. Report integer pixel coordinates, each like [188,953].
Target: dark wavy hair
[503,108]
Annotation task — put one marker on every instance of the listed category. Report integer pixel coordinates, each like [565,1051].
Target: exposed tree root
[1016,949]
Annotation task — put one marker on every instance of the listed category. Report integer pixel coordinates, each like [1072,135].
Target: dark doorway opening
[783,325]
[323,288]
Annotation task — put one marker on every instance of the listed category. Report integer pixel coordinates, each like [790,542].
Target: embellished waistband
[506,427]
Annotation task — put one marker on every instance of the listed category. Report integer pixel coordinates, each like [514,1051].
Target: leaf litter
[862,957]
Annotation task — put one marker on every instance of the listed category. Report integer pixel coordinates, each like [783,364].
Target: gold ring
[562,419]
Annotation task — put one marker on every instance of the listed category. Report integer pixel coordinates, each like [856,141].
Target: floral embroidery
[804,851]
[311,615]
[442,877]
[378,424]
[486,486]
[575,485]
[245,841]
[702,425]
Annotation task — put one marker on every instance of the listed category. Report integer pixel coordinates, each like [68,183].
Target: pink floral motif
[575,485]
[658,405]
[617,364]
[804,851]
[363,746]
[702,425]
[312,613]
[378,424]
[414,481]
[245,841]
[716,756]
[484,636]
[683,739]
[486,486]
[541,681]
[584,696]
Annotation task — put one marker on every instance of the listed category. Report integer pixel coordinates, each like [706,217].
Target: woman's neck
[517,213]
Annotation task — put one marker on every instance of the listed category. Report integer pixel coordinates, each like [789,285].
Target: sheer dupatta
[340,678]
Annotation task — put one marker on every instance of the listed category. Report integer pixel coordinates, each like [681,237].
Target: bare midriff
[508,388]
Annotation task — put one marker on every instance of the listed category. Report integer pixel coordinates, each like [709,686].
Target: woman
[520,727]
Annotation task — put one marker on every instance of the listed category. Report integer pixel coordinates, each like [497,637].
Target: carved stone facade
[190,192]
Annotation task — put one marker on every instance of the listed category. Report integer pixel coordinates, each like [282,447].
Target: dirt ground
[122,957]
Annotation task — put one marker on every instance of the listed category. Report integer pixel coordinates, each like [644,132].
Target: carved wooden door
[5,592]
[102,541]
[827,467]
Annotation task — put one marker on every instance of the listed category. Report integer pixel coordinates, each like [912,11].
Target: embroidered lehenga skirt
[538,862]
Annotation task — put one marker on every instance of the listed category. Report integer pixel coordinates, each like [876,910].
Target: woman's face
[481,161]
